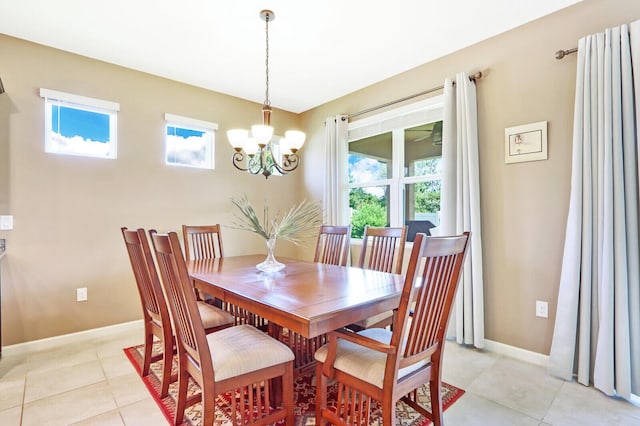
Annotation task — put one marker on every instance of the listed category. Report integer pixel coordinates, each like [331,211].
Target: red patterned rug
[304,397]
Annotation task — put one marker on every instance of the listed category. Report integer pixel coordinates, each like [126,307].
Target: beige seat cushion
[374,320]
[364,363]
[242,349]
[214,317]
[387,317]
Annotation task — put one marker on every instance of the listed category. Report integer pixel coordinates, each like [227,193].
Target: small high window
[190,142]
[78,125]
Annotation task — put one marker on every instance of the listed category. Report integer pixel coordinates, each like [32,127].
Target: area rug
[304,389]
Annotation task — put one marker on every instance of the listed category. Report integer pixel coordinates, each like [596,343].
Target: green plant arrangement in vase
[298,223]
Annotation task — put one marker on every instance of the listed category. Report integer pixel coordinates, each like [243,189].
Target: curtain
[460,203]
[597,328]
[335,144]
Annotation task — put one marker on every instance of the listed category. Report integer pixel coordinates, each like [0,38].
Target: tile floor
[91,382]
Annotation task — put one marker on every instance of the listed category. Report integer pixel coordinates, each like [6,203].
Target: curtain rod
[474,77]
[562,53]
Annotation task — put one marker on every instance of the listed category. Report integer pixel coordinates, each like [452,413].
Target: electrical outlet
[81,294]
[542,309]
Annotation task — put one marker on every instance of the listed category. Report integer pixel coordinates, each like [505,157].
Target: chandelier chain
[266,61]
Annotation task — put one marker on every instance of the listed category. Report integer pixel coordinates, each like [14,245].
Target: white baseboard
[517,353]
[65,339]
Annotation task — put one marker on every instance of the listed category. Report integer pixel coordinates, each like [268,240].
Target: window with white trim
[78,125]
[394,168]
[189,142]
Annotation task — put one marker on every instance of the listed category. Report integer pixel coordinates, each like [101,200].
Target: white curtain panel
[334,171]
[597,329]
[460,203]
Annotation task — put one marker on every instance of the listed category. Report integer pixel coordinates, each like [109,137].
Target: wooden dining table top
[306,297]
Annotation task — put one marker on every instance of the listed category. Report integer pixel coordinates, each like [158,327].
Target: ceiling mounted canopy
[257,151]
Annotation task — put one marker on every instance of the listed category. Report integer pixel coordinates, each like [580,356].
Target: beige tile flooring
[91,382]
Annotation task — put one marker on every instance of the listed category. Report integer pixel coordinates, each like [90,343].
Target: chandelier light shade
[256,150]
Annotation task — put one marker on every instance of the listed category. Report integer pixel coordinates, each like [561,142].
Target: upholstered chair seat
[251,350]
[364,363]
[382,319]
[213,317]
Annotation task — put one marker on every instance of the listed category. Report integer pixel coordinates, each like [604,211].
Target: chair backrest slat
[202,241]
[332,247]
[181,298]
[383,249]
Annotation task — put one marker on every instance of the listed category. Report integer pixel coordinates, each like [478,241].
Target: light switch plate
[6,223]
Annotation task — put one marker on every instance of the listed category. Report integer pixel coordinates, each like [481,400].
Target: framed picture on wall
[525,143]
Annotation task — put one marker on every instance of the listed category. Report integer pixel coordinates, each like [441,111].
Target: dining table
[305,298]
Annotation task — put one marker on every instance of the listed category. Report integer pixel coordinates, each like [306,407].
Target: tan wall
[524,206]
[68,210]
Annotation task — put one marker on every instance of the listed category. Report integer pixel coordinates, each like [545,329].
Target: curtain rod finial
[562,53]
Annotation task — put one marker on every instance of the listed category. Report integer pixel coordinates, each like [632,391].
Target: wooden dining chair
[205,242]
[154,307]
[240,360]
[389,366]
[382,250]
[332,247]
[202,241]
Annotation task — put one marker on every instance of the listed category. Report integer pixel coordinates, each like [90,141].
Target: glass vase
[270,264]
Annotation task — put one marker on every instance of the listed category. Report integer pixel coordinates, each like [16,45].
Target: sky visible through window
[364,169]
[188,147]
[89,125]
[183,133]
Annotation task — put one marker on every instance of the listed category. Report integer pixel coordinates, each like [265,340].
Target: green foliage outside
[427,197]
[368,214]
[367,209]
[427,194]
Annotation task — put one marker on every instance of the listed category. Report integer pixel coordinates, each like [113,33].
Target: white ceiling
[318,51]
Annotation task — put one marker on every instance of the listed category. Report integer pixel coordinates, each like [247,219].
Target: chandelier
[256,150]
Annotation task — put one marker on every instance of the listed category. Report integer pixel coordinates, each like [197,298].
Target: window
[77,125]
[394,169]
[189,142]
